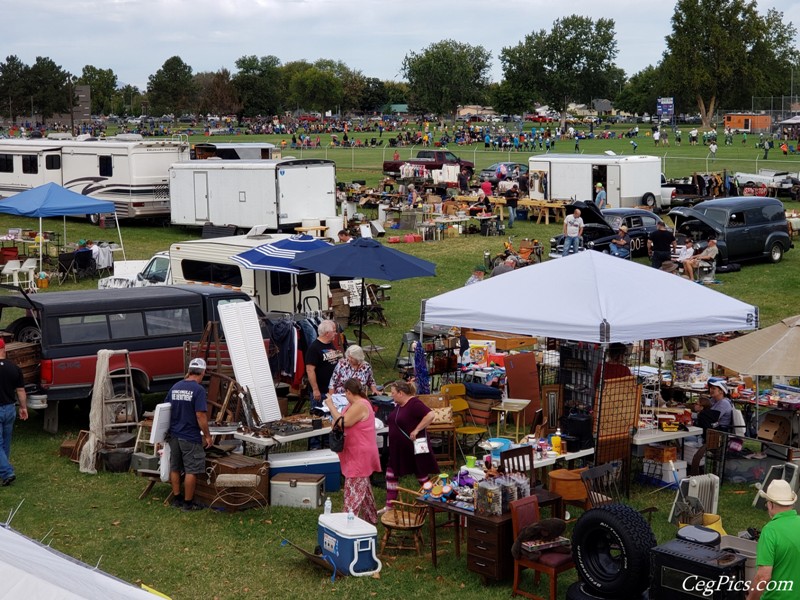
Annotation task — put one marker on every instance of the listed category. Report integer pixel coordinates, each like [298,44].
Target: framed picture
[552,406]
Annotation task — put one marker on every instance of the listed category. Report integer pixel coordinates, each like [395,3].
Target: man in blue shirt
[600,198]
[188,434]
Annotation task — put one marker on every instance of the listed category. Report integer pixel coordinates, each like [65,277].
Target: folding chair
[369,346]
[66,267]
[105,261]
[27,273]
[85,265]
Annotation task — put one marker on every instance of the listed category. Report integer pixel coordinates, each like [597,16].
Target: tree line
[719,53]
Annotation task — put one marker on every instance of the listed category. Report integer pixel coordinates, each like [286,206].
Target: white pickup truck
[780,181]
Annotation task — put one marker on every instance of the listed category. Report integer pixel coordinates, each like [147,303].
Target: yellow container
[711,521]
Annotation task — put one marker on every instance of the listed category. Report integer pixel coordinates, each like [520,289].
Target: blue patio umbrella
[278,255]
[365,258]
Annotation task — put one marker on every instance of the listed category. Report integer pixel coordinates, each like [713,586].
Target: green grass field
[215,555]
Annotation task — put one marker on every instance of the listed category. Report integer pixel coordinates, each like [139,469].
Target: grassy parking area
[211,554]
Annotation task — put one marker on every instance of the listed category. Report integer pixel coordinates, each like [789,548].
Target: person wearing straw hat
[620,245]
[778,553]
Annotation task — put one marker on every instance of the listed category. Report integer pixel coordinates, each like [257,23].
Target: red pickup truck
[430,159]
[66,330]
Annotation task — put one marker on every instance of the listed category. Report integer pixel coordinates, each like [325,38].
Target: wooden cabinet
[489,546]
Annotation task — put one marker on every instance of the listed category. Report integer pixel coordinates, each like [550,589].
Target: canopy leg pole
[41,235]
[119,233]
[362,311]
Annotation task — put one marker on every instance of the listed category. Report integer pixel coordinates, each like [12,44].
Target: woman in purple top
[407,421]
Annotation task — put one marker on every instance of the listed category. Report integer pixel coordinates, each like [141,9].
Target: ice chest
[351,546]
[321,462]
[303,490]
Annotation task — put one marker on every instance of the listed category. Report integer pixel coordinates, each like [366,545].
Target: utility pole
[71,106]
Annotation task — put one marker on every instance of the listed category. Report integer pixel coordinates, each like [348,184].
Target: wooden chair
[521,460]
[525,512]
[601,487]
[404,519]
[695,468]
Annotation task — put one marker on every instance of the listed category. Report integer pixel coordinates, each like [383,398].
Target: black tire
[25,330]
[611,549]
[93,219]
[497,261]
[649,200]
[775,253]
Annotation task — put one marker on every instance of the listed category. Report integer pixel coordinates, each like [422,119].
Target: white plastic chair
[10,272]
[27,273]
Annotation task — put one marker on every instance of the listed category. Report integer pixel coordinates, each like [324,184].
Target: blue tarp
[52,200]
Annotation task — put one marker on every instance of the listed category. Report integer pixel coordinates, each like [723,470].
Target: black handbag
[336,436]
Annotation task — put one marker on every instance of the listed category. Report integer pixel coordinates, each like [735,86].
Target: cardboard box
[775,428]
[662,454]
[300,490]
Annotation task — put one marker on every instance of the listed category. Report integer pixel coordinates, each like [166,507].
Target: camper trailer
[281,194]
[629,181]
[208,262]
[131,174]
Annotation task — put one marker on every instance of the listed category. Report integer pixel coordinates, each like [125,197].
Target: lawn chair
[85,265]
[66,267]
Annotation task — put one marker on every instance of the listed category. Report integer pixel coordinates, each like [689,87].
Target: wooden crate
[27,356]
[231,464]
[660,454]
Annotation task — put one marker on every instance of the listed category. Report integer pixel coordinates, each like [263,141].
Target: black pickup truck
[430,159]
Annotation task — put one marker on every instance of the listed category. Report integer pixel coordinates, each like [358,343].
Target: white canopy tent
[591,297]
[29,569]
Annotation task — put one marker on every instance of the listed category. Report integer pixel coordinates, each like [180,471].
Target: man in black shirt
[512,198]
[321,358]
[12,387]
[661,245]
[463,181]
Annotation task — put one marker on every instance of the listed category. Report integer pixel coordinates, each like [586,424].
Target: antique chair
[521,460]
[404,519]
[466,429]
[525,512]
[601,487]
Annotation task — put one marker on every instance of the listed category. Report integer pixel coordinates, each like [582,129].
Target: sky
[135,37]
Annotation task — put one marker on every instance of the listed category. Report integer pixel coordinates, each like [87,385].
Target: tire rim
[604,554]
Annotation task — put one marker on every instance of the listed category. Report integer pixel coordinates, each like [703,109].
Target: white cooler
[299,490]
[350,545]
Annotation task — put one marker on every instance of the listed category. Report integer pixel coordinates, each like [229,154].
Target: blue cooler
[351,546]
[318,462]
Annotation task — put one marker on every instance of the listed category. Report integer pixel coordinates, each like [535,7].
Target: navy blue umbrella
[277,256]
[365,258]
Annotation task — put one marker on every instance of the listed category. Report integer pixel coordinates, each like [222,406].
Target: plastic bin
[350,545]
[322,462]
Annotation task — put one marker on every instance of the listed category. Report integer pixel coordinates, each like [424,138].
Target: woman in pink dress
[359,459]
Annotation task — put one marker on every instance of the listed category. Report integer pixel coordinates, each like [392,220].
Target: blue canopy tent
[52,200]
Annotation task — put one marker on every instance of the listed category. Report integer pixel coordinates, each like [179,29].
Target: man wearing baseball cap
[718,390]
[12,387]
[600,198]
[188,434]
[778,553]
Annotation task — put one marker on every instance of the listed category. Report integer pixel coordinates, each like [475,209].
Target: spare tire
[611,549]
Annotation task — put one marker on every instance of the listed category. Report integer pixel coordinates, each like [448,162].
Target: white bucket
[37,401]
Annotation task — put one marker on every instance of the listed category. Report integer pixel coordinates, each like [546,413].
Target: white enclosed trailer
[629,181]
[281,194]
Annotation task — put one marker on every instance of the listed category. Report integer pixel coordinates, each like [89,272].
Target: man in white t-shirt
[708,255]
[573,230]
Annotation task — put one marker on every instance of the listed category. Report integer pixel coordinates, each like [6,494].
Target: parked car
[490,173]
[600,227]
[745,227]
